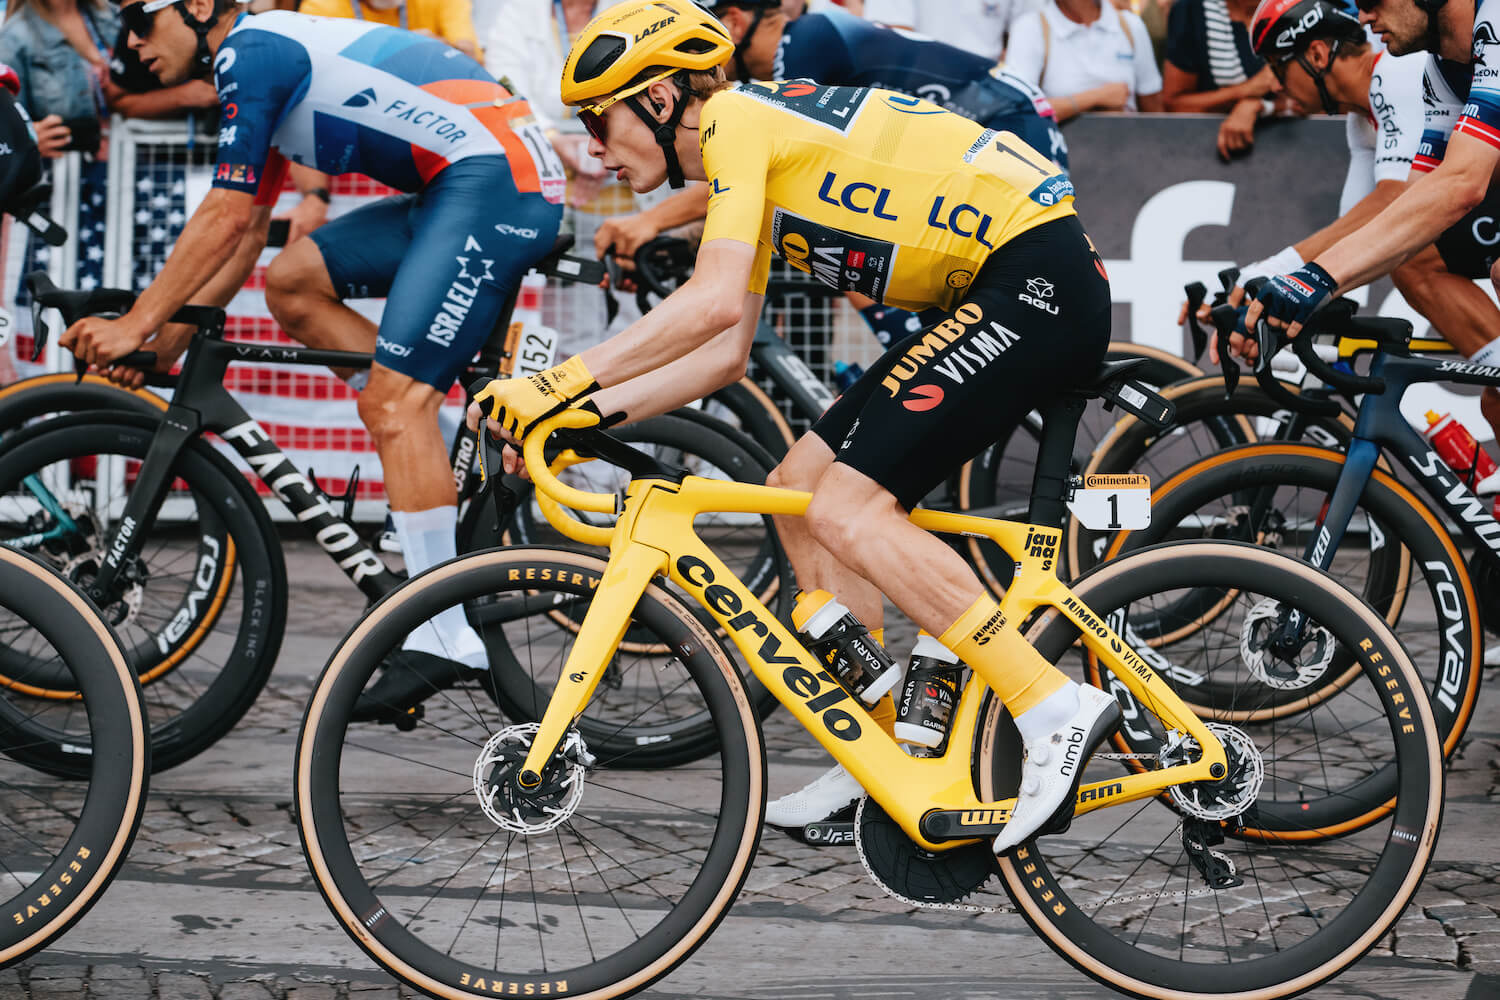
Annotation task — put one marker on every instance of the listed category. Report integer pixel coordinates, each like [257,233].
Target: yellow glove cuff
[566,382]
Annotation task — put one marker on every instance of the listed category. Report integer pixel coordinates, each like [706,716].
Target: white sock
[1049,715]
[1489,354]
[427,538]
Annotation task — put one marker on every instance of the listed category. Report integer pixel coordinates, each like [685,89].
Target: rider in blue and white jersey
[483,201]
[835,47]
[1451,175]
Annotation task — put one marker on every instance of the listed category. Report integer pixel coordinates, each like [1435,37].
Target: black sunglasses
[139,18]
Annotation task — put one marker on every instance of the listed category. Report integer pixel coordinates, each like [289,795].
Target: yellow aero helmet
[627,40]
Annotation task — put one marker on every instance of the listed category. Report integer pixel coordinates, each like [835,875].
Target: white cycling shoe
[1053,768]
[833,790]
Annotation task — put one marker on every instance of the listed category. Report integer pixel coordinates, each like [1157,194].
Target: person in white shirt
[977,25]
[1086,56]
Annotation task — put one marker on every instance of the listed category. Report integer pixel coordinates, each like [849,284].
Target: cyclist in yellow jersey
[876,192]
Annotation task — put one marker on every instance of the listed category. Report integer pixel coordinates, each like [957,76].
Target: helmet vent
[693,46]
[602,53]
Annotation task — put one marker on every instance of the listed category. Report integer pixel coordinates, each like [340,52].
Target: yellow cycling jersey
[868,190]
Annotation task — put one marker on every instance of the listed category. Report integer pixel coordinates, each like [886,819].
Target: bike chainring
[1307,654]
[1231,795]
[530,811]
[934,880]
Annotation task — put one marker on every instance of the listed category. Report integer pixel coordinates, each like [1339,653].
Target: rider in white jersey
[1323,59]
[1450,179]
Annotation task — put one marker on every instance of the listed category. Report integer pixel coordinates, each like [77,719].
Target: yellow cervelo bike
[485,856]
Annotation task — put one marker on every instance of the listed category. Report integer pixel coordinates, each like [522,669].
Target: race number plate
[1113,503]
[532,347]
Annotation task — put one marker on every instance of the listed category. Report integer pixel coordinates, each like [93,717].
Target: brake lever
[1225,317]
[1196,293]
[1229,278]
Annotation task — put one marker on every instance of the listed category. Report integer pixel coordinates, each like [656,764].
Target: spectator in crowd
[526,46]
[1211,66]
[980,26]
[60,49]
[1086,55]
[134,91]
[450,20]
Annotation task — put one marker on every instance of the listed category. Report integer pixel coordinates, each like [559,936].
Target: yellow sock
[997,652]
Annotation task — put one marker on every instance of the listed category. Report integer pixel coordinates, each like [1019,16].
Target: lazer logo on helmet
[653,29]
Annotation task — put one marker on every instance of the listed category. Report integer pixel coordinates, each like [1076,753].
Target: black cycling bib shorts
[1035,321]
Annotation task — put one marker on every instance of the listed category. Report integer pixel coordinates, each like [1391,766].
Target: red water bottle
[1456,446]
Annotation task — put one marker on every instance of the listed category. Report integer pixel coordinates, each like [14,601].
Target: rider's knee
[831,522]
[393,402]
[802,466]
[1489,406]
[790,476]
[284,283]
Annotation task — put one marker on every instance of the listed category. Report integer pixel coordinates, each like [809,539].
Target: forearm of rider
[718,363]
[1360,213]
[210,238]
[1427,207]
[710,302]
[680,209]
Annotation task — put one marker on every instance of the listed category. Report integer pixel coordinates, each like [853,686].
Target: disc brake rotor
[1233,794]
[1259,633]
[920,877]
[513,807]
[82,569]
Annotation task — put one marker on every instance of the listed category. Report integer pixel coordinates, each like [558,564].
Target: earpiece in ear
[658,105]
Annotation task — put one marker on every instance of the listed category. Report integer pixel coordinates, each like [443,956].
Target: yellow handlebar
[547,484]
[566,524]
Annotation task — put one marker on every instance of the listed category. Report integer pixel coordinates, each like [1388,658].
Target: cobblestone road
[216,902]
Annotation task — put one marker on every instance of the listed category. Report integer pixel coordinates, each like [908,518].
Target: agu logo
[922,398]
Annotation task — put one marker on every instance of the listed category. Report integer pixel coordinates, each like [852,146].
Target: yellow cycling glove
[519,404]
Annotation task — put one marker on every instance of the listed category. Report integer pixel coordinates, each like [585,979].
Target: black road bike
[141,510]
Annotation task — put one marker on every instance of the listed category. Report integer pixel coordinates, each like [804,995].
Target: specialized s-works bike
[202,604]
[1217,859]
[63,842]
[1345,514]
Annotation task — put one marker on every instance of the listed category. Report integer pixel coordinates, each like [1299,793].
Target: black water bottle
[828,628]
[925,709]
